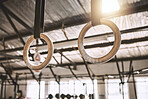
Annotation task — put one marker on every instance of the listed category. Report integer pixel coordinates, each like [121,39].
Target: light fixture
[137,72]
[110,6]
[145,70]
[110,76]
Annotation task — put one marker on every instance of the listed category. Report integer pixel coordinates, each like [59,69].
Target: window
[72,87]
[142,88]
[114,89]
[33,89]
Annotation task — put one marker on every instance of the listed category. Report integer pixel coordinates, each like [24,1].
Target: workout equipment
[18,94]
[57,96]
[49,56]
[38,28]
[10,97]
[98,21]
[50,96]
[82,96]
[91,96]
[68,96]
[62,96]
[75,97]
[111,53]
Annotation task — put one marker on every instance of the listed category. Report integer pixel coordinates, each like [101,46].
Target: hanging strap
[39,18]
[96,11]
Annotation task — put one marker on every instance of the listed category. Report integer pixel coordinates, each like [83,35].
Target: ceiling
[132,20]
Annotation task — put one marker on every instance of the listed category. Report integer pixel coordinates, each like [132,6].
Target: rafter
[81,19]
[82,63]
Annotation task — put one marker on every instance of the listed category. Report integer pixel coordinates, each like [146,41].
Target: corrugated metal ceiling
[60,9]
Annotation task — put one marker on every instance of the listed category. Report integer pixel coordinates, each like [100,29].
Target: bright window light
[142,87]
[33,90]
[114,90]
[73,87]
[110,6]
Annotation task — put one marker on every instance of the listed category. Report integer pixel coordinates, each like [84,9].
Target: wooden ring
[113,51]
[49,56]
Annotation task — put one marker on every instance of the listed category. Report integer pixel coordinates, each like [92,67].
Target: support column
[101,89]
[131,89]
[2,83]
[46,89]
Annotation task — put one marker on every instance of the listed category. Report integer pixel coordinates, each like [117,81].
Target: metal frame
[16,86]
[86,66]
[63,30]
[54,75]
[55,60]
[33,76]
[130,70]
[138,9]
[117,64]
[40,77]
[3,79]
[81,20]
[20,21]
[17,18]
[72,72]
[72,63]
[100,45]
[13,26]
[82,63]
[6,70]
[70,67]
[98,77]
[122,64]
[135,91]
[76,48]
[4,31]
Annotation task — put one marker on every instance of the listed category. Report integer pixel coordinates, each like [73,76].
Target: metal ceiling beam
[17,19]
[86,75]
[58,42]
[82,63]
[11,56]
[134,83]
[130,70]
[72,72]
[4,31]
[13,26]
[86,66]
[81,19]
[119,72]
[6,70]
[89,46]
[54,75]
[68,60]
[33,76]
[69,65]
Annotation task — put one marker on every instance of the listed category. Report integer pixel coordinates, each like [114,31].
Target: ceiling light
[110,6]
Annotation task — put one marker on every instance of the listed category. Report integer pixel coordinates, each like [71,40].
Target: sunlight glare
[110,6]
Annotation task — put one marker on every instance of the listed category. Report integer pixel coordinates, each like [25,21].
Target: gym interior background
[68,73]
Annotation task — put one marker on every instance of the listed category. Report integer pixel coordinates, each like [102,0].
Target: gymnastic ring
[113,51]
[49,55]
